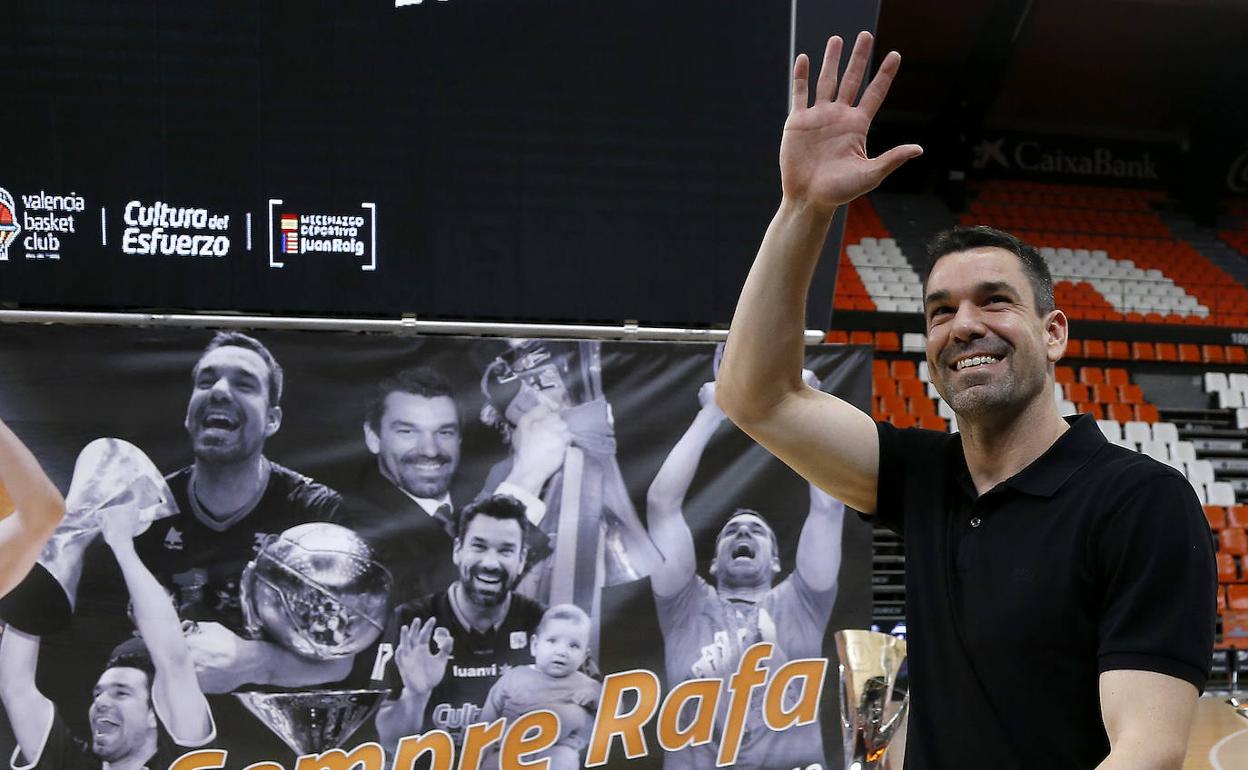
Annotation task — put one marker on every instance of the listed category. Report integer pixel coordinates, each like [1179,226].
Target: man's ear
[371,439]
[274,421]
[1057,334]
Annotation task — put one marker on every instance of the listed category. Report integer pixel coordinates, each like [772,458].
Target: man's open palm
[823,156]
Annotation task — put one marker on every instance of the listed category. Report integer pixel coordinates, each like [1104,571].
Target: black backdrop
[528,159]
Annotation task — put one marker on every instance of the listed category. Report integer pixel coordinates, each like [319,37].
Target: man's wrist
[806,212]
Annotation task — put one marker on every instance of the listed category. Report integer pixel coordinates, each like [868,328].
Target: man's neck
[474,616]
[222,489]
[749,594]
[996,450]
[135,760]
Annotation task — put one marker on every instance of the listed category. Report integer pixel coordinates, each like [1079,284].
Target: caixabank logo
[305,234]
[45,223]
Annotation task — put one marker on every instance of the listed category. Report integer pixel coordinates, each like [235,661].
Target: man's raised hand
[823,156]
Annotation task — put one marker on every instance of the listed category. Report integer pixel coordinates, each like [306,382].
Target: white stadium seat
[1166,431]
[1137,432]
[1111,429]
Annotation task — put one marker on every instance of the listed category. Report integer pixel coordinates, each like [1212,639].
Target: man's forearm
[671,483]
[763,358]
[154,614]
[34,495]
[401,718]
[819,546]
[267,663]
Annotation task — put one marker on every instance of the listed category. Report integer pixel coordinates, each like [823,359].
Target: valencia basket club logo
[9,228]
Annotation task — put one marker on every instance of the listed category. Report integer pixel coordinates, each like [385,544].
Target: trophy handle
[246,583]
[888,728]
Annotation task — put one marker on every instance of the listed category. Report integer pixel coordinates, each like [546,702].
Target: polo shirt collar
[1072,450]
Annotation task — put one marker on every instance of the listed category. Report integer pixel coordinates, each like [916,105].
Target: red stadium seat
[1091,375]
[879,368]
[1143,351]
[1235,354]
[1212,354]
[1233,541]
[1117,349]
[884,386]
[1216,515]
[893,404]
[1130,394]
[933,422]
[1143,412]
[1074,349]
[1189,353]
[837,337]
[861,338]
[1093,349]
[1227,572]
[1120,412]
[1065,374]
[1166,351]
[921,406]
[905,370]
[1117,376]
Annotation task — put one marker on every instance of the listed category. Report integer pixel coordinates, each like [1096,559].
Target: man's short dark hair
[503,507]
[416,380]
[964,238]
[775,543]
[232,339]
[133,654]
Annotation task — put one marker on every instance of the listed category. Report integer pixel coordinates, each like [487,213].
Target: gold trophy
[109,474]
[870,663]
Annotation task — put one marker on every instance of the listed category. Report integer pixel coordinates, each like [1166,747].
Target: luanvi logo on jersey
[160,229]
[296,236]
[45,223]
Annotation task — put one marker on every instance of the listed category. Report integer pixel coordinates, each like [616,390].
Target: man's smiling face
[987,349]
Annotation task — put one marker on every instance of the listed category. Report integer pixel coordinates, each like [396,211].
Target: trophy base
[37,605]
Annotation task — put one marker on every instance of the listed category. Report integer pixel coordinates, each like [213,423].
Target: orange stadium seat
[1237,516]
[1216,515]
[1065,374]
[879,369]
[1120,412]
[905,370]
[1166,351]
[933,422]
[1094,409]
[837,337]
[1130,394]
[1117,349]
[1212,354]
[1093,349]
[904,420]
[891,403]
[884,386]
[1074,349]
[1091,375]
[861,338]
[912,388]
[921,406]
[1236,354]
[1105,393]
[1143,351]
[1077,392]
[1227,572]
[1117,376]
[1144,413]
[1237,597]
[1233,540]
[887,341]
[1154,318]
[1221,599]
[1189,353]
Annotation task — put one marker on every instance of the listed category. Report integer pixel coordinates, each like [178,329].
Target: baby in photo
[553,682]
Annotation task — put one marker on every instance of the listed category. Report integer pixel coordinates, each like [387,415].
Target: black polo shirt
[1093,558]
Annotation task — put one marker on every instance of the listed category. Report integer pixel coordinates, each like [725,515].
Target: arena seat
[1116,375]
[1064,374]
[1143,351]
[904,370]
[1093,349]
[837,337]
[1130,394]
[1227,570]
[1233,541]
[1117,350]
[1166,351]
[1077,391]
[1120,412]
[1111,429]
[887,341]
[1166,431]
[1091,375]
[1220,493]
[1237,516]
[1074,349]
[1216,516]
[1105,393]
[1135,431]
[1145,412]
[912,388]
[1237,597]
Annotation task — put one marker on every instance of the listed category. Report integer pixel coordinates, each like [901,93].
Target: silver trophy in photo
[109,474]
[869,665]
[317,590]
[314,722]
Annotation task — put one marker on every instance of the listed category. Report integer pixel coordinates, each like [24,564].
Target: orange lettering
[610,722]
[518,743]
[806,710]
[366,756]
[477,739]
[700,728]
[749,675]
[435,742]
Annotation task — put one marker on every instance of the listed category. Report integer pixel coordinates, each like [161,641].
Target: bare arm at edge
[823,165]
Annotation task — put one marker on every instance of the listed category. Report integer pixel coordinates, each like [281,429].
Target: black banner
[668,538]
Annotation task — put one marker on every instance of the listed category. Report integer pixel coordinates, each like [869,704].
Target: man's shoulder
[525,612]
[302,492]
[436,604]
